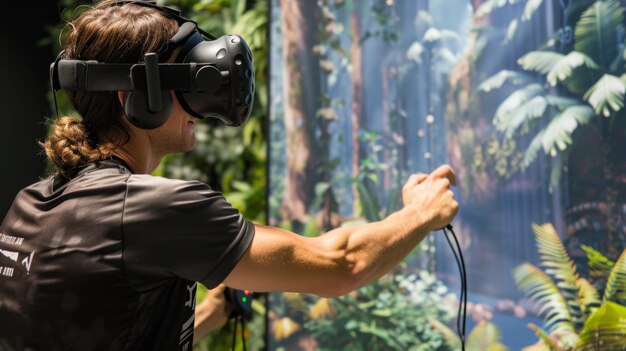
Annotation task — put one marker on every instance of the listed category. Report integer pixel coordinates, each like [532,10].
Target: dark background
[23,88]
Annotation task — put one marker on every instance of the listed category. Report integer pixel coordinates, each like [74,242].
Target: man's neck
[138,165]
[139,156]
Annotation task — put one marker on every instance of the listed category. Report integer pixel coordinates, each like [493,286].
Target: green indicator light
[244,299]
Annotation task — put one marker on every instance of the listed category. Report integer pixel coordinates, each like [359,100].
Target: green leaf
[596,31]
[599,265]
[607,95]
[499,79]
[606,327]
[563,68]
[616,283]
[557,135]
[369,203]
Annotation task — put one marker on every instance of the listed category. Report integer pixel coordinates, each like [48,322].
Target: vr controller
[241,300]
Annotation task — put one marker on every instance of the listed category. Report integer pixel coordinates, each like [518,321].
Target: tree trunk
[300,88]
[357,98]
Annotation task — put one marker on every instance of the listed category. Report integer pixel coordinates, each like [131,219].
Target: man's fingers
[415,179]
[445,171]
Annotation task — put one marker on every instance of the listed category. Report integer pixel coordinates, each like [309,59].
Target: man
[102,255]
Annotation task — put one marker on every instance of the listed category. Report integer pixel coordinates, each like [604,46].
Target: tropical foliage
[578,314]
[392,313]
[485,336]
[582,88]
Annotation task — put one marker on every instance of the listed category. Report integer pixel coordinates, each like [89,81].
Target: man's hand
[212,313]
[430,194]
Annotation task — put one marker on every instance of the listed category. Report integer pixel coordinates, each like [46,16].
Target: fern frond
[615,289]
[484,336]
[539,287]
[555,259]
[599,265]
[588,296]
[545,342]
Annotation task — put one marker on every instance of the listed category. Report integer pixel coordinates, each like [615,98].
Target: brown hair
[107,32]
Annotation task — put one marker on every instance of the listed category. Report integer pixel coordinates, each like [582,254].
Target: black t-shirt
[110,260]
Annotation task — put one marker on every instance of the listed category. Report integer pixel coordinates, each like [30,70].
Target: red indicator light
[247,292]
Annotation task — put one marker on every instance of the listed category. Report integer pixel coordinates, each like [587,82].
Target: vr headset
[211,77]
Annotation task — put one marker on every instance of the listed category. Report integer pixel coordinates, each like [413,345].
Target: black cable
[239,320]
[462,312]
[243,334]
[234,336]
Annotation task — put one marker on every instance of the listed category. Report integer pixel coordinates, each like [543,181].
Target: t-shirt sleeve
[180,228]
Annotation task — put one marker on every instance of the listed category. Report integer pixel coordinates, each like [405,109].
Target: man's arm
[346,258]
[211,313]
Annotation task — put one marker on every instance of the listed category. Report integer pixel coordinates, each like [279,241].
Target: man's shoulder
[163,189]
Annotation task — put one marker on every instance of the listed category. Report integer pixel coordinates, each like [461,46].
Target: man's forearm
[373,249]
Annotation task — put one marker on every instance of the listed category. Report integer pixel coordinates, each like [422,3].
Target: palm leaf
[558,264]
[529,111]
[484,336]
[510,31]
[488,6]
[497,80]
[533,149]
[563,68]
[538,286]
[561,102]
[540,61]
[588,295]
[558,162]
[530,8]
[515,100]
[607,95]
[616,283]
[596,31]
[605,329]
[558,133]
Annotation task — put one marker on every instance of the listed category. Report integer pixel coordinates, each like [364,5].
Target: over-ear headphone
[212,77]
